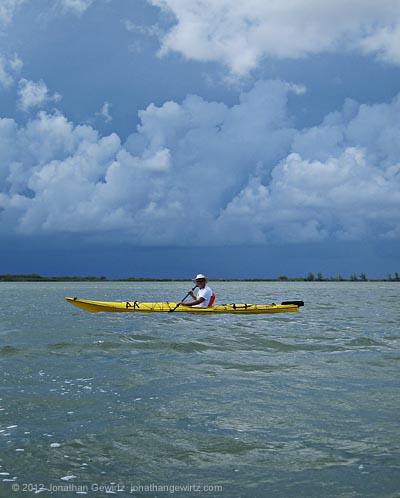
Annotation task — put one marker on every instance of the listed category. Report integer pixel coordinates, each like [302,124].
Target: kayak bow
[136,306]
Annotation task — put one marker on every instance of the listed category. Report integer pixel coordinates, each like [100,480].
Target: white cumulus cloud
[240,34]
[243,173]
[34,94]
[9,68]
[344,198]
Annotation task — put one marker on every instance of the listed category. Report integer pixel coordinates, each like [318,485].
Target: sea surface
[297,405]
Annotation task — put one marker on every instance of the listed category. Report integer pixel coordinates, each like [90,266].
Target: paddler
[205,296]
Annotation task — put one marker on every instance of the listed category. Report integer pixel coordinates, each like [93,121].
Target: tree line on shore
[362,277]
[311,277]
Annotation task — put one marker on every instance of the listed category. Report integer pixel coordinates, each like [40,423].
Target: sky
[164,138]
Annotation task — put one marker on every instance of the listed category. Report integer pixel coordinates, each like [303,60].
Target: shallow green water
[277,406]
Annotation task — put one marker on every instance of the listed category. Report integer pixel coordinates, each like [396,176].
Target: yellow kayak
[168,307]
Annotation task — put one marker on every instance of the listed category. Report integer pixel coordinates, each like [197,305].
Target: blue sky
[162,138]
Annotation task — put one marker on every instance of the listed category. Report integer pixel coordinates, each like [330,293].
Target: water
[274,406]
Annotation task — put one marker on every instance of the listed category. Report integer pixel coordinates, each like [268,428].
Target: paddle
[187,295]
[296,303]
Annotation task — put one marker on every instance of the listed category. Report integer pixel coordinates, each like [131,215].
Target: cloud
[343,198]
[240,34]
[234,174]
[104,112]
[9,68]
[77,7]
[34,95]
[144,30]
[384,42]
[7,9]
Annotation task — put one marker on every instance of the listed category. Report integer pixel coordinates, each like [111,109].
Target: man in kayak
[205,296]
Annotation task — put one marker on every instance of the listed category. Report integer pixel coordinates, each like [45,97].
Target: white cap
[200,276]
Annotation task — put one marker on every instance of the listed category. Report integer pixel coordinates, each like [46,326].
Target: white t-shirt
[206,293]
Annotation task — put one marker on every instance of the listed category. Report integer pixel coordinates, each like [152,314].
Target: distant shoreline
[309,278]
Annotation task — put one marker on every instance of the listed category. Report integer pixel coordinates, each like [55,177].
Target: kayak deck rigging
[139,307]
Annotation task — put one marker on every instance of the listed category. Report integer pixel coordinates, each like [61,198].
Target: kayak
[139,307]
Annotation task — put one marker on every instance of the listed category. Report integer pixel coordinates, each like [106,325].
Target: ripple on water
[9,351]
[280,406]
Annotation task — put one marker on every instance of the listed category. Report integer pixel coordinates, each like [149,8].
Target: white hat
[199,276]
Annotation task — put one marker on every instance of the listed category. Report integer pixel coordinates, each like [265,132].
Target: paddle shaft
[187,295]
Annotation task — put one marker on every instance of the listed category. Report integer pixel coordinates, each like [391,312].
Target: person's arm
[193,303]
[196,300]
